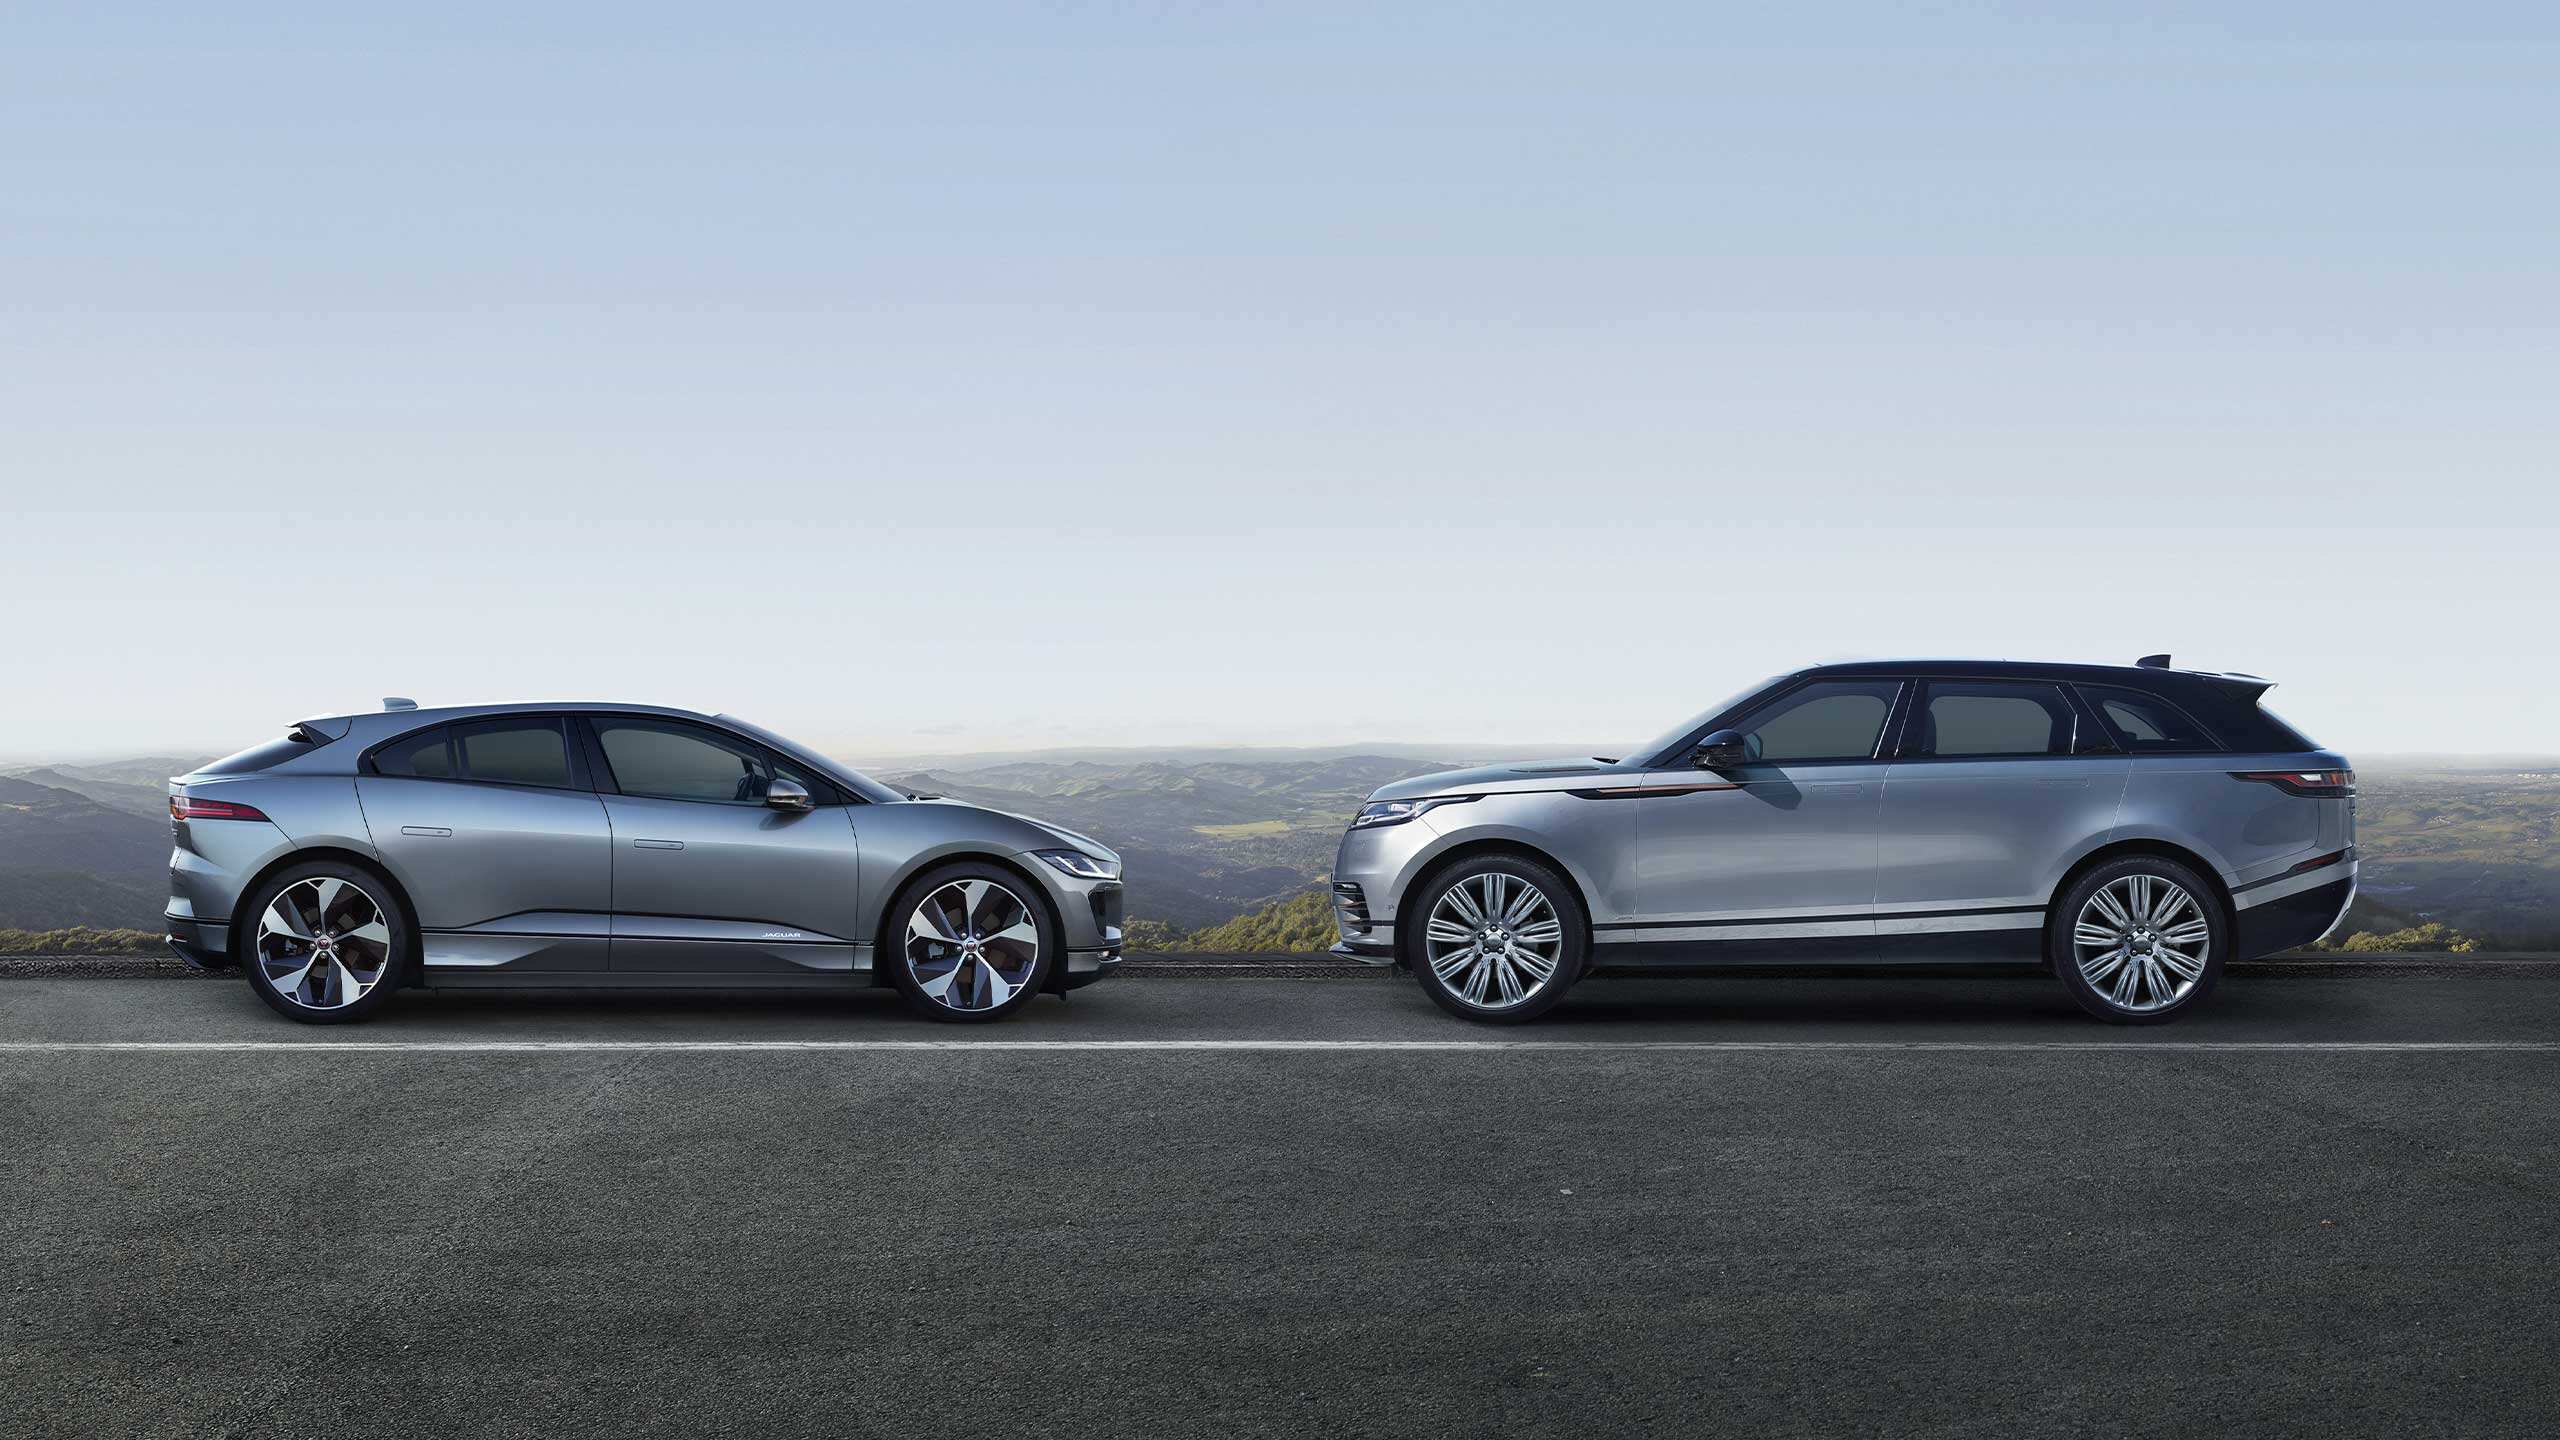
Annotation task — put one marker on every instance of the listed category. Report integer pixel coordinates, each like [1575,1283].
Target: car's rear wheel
[2139,941]
[1497,939]
[326,943]
[971,942]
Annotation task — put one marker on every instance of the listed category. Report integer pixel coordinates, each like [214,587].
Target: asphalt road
[1238,1206]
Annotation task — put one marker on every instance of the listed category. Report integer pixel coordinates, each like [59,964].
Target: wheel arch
[2145,845]
[1467,850]
[240,917]
[882,943]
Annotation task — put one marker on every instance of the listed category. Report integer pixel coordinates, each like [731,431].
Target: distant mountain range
[1211,836]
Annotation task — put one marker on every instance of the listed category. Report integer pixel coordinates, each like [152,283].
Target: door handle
[436,831]
[657,844]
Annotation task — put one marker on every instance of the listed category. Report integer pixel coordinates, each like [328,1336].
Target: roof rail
[2153,662]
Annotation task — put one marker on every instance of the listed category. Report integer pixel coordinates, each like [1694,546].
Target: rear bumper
[2289,916]
[201,943]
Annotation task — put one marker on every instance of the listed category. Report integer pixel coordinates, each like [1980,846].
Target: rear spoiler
[2245,688]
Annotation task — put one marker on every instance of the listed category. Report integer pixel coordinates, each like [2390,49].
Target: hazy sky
[936,377]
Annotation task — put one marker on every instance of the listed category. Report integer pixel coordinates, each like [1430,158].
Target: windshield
[1645,753]
[854,780]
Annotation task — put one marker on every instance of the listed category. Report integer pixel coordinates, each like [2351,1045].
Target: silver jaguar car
[2132,828]
[614,846]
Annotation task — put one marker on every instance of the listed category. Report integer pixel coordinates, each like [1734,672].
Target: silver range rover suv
[2130,827]
[618,846]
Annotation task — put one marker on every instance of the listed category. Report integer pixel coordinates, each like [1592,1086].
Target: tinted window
[1827,720]
[1983,718]
[2145,724]
[514,752]
[426,756]
[677,762]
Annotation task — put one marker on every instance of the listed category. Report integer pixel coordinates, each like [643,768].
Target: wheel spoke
[995,988]
[282,919]
[2126,978]
[2186,966]
[1543,932]
[1496,885]
[2194,932]
[2088,934]
[2099,967]
[1465,904]
[1476,978]
[1539,968]
[1447,966]
[1447,932]
[2107,905]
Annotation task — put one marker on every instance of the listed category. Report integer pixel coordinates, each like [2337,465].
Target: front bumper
[1086,966]
[1091,912]
[1367,952]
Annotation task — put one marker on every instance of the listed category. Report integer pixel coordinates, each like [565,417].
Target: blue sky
[962,377]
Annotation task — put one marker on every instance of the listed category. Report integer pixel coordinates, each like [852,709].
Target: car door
[1774,859]
[708,879]
[1995,785]
[490,827]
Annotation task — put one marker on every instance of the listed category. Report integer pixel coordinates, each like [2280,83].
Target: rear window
[267,756]
[514,752]
[1987,718]
[2144,724]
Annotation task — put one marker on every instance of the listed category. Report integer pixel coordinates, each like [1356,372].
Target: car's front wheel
[2139,941]
[325,943]
[970,942]
[1497,939]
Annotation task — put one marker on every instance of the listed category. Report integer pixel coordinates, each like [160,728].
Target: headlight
[1081,865]
[1396,812]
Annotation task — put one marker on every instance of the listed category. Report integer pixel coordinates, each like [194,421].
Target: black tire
[1573,939]
[2101,999]
[971,975]
[308,1000]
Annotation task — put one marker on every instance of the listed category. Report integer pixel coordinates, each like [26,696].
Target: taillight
[188,807]
[2310,784]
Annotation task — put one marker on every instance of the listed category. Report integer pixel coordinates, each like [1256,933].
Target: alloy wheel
[1493,940]
[2141,942]
[324,943]
[972,945]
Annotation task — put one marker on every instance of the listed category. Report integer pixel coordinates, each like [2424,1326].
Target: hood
[1064,836]
[1514,775]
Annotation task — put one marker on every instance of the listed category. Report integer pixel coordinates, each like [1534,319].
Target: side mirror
[1721,750]
[787,795]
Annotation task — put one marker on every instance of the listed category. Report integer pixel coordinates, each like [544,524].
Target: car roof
[426,715]
[2143,676]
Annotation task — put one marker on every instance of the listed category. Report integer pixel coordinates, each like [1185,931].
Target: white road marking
[787,1047]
